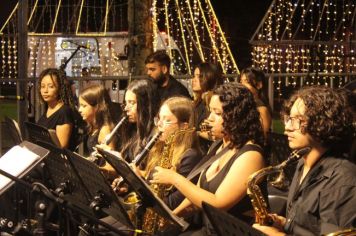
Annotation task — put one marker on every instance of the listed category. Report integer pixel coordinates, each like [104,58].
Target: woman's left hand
[162,176]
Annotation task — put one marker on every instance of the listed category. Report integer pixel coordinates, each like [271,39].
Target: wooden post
[22,112]
[140,35]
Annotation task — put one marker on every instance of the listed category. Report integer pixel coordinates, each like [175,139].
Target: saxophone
[253,190]
[152,222]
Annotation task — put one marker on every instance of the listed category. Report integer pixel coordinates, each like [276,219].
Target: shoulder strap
[203,166]
[210,161]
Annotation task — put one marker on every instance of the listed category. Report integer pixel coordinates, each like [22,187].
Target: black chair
[227,225]
[279,151]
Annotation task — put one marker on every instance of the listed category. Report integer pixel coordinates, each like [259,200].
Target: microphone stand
[64,65]
[41,206]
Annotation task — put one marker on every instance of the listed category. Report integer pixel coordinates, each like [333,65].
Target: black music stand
[63,179]
[147,197]
[14,130]
[38,133]
[102,196]
[19,160]
[225,224]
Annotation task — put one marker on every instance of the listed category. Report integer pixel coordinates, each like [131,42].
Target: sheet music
[15,162]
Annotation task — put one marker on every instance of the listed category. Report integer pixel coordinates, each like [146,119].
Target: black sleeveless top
[92,141]
[244,205]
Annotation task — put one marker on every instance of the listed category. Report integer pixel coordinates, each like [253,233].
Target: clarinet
[141,156]
[95,156]
[110,136]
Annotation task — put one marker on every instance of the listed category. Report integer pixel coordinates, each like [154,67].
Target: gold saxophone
[152,222]
[253,190]
[346,232]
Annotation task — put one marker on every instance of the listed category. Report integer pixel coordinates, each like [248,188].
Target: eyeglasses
[295,122]
[157,120]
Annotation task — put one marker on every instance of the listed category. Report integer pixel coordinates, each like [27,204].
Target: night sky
[238,18]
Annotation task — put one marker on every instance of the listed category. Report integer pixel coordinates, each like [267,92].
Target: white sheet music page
[15,162]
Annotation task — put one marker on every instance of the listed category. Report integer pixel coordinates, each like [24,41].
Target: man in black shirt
[157,66]
[322,195]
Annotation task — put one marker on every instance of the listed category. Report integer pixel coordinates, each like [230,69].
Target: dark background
[239,20]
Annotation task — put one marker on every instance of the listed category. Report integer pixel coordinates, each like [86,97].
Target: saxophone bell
[280,181]
[259,204]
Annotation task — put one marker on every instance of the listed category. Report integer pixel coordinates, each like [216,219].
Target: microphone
[12,97]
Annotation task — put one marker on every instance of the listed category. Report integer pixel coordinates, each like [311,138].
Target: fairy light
[211,36]
[3,59]
[200,50]
[154,24]
[183,36]
[317,21]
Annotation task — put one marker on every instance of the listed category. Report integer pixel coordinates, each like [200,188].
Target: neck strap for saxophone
[196,171]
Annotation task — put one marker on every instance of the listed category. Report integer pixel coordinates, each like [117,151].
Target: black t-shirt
[63,115]
[173,89]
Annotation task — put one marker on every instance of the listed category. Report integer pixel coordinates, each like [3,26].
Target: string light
[316,39]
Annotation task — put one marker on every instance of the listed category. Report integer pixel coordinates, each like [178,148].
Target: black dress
[239,210]
[63,115]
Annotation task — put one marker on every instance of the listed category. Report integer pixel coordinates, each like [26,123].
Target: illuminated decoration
[196,31]
[307,42]
[187,29]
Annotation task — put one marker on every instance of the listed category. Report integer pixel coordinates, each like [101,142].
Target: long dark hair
[134,135]
[210,77]
[255,76]
[97,96]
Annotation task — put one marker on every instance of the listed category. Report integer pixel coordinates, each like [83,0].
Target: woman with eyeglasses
[178,146]
[235,155]
[255,80]
[322,195]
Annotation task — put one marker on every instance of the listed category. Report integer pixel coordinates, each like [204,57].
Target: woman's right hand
[119,186]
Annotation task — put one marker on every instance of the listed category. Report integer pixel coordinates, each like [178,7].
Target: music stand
[64,181]
[225,224]
[19,160]
[102,196]
[38,133]
[14,130]
[148,198]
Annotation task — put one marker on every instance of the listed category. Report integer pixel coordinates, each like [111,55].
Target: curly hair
[329,119]
[241,120]
[58,76]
